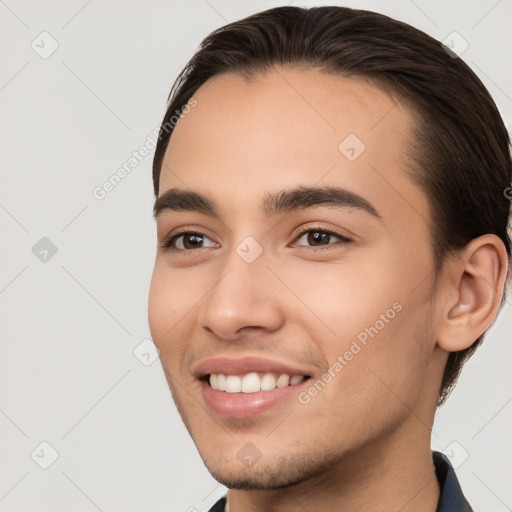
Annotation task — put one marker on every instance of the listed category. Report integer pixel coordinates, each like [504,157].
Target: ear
[473,292]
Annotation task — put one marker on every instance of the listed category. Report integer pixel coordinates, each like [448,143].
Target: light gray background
[69,325]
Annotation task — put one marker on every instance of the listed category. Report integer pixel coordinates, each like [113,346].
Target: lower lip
[244,405]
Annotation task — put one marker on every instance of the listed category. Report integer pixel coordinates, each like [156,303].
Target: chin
[260,481]
[279,473]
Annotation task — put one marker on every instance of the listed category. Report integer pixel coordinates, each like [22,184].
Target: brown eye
[320,238]
[190,241]
[186,241]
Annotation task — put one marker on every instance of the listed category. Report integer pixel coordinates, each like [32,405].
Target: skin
[363,442]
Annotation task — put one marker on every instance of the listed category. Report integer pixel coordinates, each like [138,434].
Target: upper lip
[231,366]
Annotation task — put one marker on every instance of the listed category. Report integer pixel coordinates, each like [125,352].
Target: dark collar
[219,506]
[451,499]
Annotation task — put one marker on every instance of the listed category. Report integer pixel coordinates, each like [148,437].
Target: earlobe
[476,289]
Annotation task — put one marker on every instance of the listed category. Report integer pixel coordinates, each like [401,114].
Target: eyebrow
[299,198]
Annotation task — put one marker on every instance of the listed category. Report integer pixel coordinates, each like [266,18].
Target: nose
[244,298]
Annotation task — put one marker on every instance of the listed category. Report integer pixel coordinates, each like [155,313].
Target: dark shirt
[451,498]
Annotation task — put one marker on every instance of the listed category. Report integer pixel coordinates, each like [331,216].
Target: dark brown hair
[460,150]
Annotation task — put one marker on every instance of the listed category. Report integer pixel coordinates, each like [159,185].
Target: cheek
[170,330]
[158,308]
[364,291]
[371,386]
[347,297]
[365,314]
[167,306]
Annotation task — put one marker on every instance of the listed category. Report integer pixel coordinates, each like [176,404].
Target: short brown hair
[461,148]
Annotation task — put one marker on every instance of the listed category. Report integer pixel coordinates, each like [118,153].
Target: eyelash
[168,242]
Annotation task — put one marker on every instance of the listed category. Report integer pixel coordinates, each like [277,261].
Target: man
[332,246]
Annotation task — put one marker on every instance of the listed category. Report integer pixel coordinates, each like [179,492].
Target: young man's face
[273,287]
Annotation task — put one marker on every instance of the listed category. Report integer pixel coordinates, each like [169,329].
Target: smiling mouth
[252,382]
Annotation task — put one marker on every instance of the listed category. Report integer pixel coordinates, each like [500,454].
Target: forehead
[289,127]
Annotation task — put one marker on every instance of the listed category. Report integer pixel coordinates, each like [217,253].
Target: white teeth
[268,382]
[221,382]
[233,384]
[283,381]
[296,379]
[252,382]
